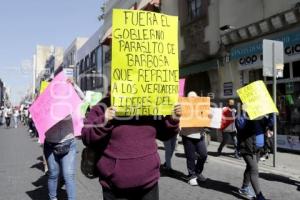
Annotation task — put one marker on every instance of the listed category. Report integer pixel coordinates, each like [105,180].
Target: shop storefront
[248,58]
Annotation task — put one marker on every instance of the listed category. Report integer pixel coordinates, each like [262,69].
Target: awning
[106,37]
[198,67]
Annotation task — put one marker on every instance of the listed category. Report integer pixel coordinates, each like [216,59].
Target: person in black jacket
[247,133]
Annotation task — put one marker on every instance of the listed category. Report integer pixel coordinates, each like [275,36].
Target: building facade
[227,53]
[46,60]
[89,67]
[254,21]
[70,54]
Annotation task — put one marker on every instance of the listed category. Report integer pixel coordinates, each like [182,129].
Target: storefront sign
[69,72]
[251,55]
[228,87]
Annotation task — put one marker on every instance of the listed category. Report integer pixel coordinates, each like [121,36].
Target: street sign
[69,72]
[273,56]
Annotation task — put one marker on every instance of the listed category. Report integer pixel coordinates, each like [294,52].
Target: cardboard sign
[93,97]
[257,100]
[195,112]
[216,120]
[57,102]
[181,87]
[44,85]
[145,68]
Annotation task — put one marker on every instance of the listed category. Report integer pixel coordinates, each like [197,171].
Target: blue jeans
[65,162]
[169,150]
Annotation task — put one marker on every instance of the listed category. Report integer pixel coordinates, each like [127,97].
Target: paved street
[22,177]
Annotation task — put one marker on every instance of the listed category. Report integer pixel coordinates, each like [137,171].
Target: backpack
[88,165]
[90,156]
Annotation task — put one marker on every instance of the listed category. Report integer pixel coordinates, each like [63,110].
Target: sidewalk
[288,164]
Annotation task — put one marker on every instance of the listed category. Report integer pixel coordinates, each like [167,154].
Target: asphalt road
[22,177]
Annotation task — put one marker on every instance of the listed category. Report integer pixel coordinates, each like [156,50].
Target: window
[93,57]
[255,75]
[81,67]
[86,63]
[194,9]
[99,67]
[107,56]
[286,72]
[296,69]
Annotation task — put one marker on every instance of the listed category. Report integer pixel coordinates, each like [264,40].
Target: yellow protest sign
[44,85]
[257,100]
[144,69]
[195,112]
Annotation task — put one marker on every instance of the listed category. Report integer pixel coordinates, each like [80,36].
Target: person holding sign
[194,143]
[60,153]
[129,167]
[249,132]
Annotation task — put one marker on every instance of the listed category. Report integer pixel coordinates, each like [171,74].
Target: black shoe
[260,196]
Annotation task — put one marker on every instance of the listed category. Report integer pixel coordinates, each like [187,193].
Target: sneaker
[193,182]
[246,191]
[201,178]
[262,159]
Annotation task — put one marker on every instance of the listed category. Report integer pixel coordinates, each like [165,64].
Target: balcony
[275,23]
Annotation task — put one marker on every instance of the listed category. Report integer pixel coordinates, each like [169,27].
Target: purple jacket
[130,158]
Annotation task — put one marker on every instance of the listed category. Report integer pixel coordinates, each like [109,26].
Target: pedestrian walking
[169,150]
[228,128]
[60,153]
[1,115]
[7,116]
[250,133]
[129,165]
[195,149]
[16,117]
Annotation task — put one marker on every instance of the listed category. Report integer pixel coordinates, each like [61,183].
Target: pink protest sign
[57,102]
[181,87]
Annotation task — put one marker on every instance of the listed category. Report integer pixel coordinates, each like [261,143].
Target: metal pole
[274,115]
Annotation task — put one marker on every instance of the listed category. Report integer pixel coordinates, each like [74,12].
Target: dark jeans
[7,120]
[191,148]
[169,150]
[251,172]
[131,194]
[225,139]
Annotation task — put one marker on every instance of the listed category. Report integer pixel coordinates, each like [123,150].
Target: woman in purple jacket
[129,164]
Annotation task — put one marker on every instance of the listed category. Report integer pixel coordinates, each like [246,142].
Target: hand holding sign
[257,100]
[177,112]
[110,113]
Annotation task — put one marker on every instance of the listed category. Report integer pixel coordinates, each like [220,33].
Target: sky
[27,23]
